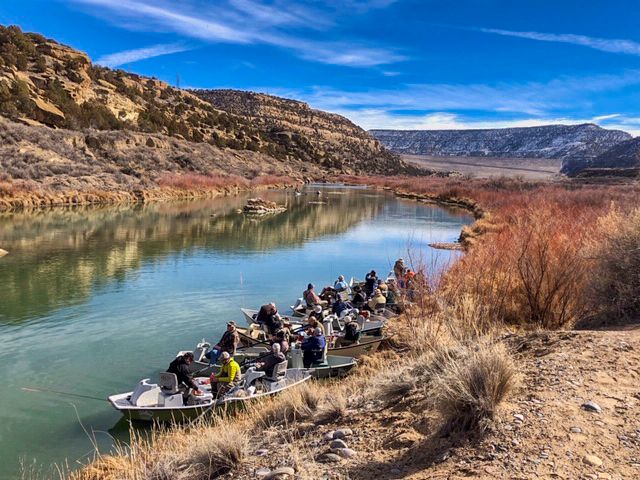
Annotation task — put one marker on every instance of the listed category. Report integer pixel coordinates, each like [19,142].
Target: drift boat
[166,402]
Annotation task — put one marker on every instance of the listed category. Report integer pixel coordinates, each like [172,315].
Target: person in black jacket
[269,317]
[180,366]
[370,282]
[359,298]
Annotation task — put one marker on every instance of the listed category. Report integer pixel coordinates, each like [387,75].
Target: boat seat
[279,371]
[169,383]
[199,352]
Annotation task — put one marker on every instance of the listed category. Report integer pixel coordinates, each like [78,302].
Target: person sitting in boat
[392,292]
[281,338]
[228,343]
[310,296]
[384,288]
[340,285]
[376,301]
[359,298]
[227,377]
[269,318]
[339,307]
[313,323]
[180,367]
[313,348]
[370,283]
[351,333]
[267,363]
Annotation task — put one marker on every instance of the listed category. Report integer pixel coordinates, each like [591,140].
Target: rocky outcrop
[621,160]
[259,206]
[327,139]
[574,144]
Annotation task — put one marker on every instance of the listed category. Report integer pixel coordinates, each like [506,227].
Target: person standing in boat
[180,368]
[227,377]
[370,283]
[267,363]
[313,348]
[228,343]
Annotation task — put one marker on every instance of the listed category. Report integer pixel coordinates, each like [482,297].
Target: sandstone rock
[342,433]
[576,430]
[592,460]
[281,473]
[592,406]
[335,444]
[262,472]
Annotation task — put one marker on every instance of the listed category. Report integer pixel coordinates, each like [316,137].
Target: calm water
[92,300]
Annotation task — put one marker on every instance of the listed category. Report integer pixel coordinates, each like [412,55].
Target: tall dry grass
[615,288]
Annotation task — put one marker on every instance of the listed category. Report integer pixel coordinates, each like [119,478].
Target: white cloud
[137,54]
[244,22]
[628,47]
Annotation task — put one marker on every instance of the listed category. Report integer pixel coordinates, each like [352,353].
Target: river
[94,299]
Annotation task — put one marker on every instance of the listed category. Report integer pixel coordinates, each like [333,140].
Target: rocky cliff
[116,130]
[623,159]
[574,144]
[312,135]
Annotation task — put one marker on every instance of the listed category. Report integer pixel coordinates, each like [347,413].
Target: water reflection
[58,257]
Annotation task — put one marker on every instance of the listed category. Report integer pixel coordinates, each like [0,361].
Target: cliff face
[315,136]
[574,144]
[43,83]
[623,159]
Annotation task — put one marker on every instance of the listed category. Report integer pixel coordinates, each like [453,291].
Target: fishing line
[57,392]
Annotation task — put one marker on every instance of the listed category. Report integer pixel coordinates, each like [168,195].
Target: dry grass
[468,385]
[616,253]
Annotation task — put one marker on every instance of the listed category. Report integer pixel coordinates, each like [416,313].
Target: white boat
[166,402]
[330,366]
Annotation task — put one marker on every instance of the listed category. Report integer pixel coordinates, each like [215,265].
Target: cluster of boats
[169,401]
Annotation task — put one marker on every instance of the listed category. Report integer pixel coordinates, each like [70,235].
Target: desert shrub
[467,387]
[615,281]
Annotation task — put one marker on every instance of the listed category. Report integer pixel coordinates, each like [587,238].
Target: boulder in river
[258,206]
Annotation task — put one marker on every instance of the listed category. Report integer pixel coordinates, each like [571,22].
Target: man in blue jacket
[313,348]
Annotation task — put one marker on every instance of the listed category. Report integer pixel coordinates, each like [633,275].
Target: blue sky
[382,63]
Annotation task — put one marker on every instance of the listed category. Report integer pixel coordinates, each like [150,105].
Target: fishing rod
[58,392]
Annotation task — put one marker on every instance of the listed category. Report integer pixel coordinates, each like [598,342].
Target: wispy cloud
[628,47]
[451,106]
[129,56]
[280,24]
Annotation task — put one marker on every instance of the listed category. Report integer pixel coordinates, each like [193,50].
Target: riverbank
[174,187]
[454,356]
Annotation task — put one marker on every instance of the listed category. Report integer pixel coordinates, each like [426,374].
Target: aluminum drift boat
[166,402]
[368,326]
[331,366]
[367,345]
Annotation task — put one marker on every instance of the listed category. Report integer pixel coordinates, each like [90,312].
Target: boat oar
[57,392]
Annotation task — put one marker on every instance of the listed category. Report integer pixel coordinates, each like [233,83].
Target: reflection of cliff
[58,257]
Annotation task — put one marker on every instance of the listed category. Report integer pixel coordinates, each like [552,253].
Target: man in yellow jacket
[227,377]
